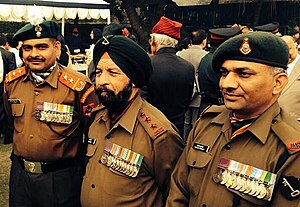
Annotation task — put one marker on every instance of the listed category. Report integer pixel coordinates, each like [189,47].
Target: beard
[114,101]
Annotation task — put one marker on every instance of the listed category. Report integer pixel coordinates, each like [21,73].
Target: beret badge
[245,46]
[38,29]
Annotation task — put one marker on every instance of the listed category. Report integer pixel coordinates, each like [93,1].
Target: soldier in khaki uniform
[246,153]
[132,147]
[47,106]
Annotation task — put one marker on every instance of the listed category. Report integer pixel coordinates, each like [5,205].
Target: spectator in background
[64,58]
[183,44]
[289,99]
[194,54]
[8,64]
[208,78]
[75,43]
[14,46]
[95,35]
[170,86]
[9,59]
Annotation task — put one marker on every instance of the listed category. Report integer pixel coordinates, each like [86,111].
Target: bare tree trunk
[134,19]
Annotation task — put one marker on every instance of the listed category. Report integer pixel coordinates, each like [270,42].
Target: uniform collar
[128,120]
[52,79]
[258,127]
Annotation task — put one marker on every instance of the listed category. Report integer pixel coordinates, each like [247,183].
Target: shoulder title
[289,136]
[72,81]
[153,127]
[86,94]
[15,74]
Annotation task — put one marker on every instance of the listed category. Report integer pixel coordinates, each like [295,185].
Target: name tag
[14,100]
[201,147]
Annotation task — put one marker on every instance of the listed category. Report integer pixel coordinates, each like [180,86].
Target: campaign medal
[246,179]
[121,159]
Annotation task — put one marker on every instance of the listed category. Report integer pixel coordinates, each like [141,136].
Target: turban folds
[127,55]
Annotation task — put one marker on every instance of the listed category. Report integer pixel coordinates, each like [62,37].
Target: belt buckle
[33,167]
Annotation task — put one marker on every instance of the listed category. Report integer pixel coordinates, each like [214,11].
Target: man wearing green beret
[47,106]
[132,146]
[246,153]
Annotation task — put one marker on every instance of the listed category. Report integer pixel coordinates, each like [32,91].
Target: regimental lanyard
[54,112]
[245,179]
[122,159]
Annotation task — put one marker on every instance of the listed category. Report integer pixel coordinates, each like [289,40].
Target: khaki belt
[44,167]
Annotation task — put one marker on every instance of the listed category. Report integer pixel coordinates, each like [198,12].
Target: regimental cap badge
[38,30]
[245,46]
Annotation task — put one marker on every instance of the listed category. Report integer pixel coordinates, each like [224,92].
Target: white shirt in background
[292,65]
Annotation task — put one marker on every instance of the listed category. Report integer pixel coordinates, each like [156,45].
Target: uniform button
[194,163]
[99,161]
[204,205]
[36,93]
[93,186]
[30,136]
[228,147]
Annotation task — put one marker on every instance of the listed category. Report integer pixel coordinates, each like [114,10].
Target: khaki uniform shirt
[39,140]
[144,130]
[261,146]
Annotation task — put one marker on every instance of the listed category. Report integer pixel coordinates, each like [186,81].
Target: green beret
[259,47]
[128,56]
[46,29]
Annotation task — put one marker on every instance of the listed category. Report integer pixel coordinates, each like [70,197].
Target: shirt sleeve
[167,150]
[179,190]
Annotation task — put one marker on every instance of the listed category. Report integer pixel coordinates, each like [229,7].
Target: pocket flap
[198,159]
[91,149]
[17,109]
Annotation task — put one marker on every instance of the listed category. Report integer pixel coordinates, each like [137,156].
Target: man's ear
[58,49]
[280,81]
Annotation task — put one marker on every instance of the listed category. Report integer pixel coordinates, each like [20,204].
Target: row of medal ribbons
[245,179]
[121,159]
[54,112]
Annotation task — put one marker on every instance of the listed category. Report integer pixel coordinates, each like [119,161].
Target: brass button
[36,93]
[30,136]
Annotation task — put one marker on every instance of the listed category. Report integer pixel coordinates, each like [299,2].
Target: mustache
[100,89]
[35,59]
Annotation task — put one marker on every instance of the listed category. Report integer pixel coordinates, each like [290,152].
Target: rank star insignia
[65,77]
[245,46]
[71,80]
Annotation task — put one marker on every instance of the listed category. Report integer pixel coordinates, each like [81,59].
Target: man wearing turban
[132,147]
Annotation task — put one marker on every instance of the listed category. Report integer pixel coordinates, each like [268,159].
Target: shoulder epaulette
[72,81]
[86,94]
[15,74]
[212,110]
[290,136]
[153,127]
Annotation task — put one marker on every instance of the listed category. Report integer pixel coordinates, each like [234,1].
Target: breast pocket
[197,162]
[92,163]
[17,113]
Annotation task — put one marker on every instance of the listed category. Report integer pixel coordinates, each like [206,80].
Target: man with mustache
[246,153]
[47,106]
[132,146]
